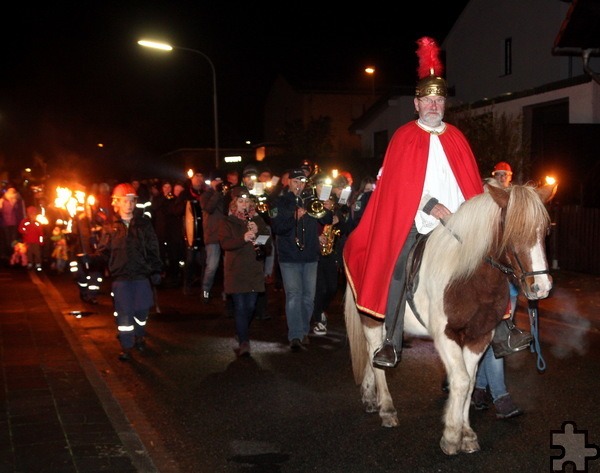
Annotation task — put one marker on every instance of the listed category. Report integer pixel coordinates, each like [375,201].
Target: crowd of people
[197,224]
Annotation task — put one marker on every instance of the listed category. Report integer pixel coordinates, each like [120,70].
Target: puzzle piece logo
[575,449]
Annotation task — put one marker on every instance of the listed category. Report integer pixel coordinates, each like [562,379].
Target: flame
[66,200]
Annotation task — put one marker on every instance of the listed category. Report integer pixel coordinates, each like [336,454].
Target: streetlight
[168,47]
[371,71]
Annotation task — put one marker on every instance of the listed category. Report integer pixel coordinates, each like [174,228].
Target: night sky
[73,75]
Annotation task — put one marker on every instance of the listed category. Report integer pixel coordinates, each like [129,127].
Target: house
[499,59]
[507,59]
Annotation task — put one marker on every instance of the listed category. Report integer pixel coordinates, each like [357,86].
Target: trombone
[311,203]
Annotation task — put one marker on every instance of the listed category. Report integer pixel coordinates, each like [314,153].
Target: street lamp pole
[168,47]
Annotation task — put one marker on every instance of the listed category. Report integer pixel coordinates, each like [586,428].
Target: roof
[579,34]
[581,27]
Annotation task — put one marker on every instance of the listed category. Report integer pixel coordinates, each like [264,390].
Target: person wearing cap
[428,170]
[212,202]
[249,177]
[502,173]
[129,248]
[243,266]
[298,250]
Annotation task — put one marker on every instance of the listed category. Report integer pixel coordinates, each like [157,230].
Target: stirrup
[386,356]
[511,339]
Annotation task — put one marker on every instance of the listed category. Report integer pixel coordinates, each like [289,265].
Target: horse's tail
[356,336]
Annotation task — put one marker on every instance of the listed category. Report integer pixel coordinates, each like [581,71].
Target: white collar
[437,130]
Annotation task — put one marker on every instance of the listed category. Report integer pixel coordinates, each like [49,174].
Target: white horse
[462,295]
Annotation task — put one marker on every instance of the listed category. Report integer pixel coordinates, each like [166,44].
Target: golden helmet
[432,85]
[430,69]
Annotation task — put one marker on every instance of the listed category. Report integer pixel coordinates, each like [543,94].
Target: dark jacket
[287,229]
[130,253]
[358,208]
[213,208]
[242,272]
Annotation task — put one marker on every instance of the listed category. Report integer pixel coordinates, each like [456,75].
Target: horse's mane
[525,214]
[474,231]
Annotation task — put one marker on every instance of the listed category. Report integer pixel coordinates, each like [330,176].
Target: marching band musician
[298,250]
[243,265]
[330,259]
[257,191]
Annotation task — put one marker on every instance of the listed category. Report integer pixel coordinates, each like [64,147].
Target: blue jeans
[243,312]
[299,283]
[195,261]
[514,292]
[213,256]
[491,373]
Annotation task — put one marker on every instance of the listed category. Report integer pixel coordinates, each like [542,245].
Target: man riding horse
[429,170]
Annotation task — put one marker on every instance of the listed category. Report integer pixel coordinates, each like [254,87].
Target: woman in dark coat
[243,264]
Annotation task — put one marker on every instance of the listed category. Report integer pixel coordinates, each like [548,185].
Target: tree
[300,141]
[493,138]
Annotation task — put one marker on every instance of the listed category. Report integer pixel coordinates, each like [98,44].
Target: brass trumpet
[262,204]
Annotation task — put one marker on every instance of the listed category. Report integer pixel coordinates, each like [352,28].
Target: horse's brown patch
[475,306]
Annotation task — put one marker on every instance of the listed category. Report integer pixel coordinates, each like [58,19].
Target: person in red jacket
[428,171]
[33,237]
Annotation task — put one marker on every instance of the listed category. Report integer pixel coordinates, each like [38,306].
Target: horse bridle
[509,271]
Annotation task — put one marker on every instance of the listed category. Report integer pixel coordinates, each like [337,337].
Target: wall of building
[475,48]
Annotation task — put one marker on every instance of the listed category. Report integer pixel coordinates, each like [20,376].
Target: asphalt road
[197,408]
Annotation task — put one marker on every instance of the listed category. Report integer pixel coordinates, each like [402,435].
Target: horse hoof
[470,446]
[472,449]
[447,448]
[390,421]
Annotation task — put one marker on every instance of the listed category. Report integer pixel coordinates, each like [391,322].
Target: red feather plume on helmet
[428,53]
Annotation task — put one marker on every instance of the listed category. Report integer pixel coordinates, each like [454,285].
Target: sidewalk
[59,413]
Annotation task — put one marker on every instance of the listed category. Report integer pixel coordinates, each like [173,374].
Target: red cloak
[371,251]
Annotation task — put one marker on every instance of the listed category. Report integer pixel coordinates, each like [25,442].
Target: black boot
[508,339]
[386,356]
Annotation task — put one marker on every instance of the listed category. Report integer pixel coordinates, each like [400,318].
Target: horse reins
[532,304]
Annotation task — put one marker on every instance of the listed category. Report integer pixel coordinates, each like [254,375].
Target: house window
[507,56]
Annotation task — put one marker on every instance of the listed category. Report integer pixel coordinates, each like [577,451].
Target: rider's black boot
[508,339]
